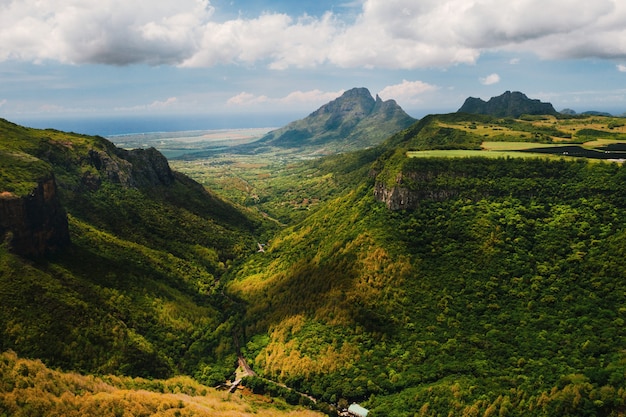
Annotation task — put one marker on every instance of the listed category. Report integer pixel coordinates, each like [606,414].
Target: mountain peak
[357,102]
[352,121]
[509,104]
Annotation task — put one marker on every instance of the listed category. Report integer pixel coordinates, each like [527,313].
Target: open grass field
[514,146]
[546,128]
[481,154]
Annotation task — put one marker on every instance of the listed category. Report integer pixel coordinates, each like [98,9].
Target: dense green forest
[501,292]
[507,302]
[415,286]
[137,292]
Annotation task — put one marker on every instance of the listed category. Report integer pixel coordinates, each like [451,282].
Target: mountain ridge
[509,104]
[355,120]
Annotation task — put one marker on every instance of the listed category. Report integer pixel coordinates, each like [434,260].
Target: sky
[256,59]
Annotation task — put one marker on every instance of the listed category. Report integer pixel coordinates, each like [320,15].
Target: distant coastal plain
[177,144]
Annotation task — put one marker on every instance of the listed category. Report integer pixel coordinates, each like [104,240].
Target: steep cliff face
[33,220]
[35,224]
[395,198]
[134,168]
[149,167]
[419,180]
[410,189]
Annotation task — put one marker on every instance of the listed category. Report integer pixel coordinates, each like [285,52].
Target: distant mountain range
[353,121]
[571,112]
[509,104]
[515,104]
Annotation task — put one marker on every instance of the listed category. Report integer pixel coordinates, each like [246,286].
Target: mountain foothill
[466,264]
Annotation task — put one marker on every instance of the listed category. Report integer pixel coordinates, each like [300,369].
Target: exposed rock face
[439,180]
[135,168]
[509,104]
[35,224]
[150,167]
[402,196]
[114,169]
[396,198]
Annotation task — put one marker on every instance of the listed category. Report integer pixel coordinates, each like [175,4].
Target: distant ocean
[120,125]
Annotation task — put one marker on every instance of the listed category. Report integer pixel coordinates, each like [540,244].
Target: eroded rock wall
[35,224]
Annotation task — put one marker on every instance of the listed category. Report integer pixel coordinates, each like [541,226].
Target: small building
[357,411]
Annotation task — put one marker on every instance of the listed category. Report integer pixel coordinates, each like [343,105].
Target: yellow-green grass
[610,125]
[514,146]
[478,154]
[30,388]
[600,143]
[486,130]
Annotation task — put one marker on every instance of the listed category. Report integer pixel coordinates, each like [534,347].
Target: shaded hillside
[353,121]
[468,303]
[509,104]
[135,288]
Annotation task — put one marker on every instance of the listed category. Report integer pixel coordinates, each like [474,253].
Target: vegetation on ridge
[137,292]
[469,304]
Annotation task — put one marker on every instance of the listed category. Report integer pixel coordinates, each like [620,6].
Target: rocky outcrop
[509,104]
[396,198]
[135,168]
[35,224]
[470,179]
[116,170]
[406,195]
[149,167]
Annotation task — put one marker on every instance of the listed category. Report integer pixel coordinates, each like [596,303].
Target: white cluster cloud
[294,98]
[407,92]
[386,33]
[116,32]
[490,79]
[155,105]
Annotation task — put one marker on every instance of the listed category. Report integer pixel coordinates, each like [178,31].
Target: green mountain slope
[135,289]
[353,121]
[500,291]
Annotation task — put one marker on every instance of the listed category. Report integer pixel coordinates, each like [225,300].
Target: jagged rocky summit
[509,104]
[355,120]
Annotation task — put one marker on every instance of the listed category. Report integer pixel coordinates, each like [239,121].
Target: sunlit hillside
[29,388]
